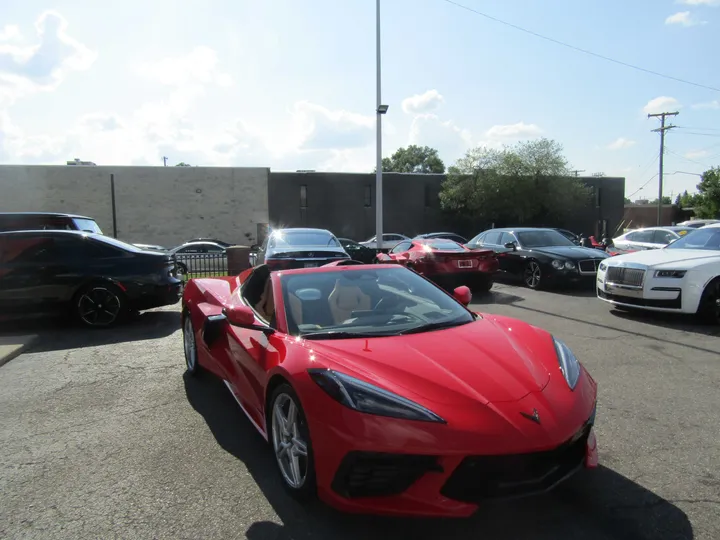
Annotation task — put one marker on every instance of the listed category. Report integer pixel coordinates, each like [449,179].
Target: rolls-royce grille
[625,276]
[588,266]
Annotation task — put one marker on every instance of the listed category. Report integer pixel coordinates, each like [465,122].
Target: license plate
[465,264]
[311,265]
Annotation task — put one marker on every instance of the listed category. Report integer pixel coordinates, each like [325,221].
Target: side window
[507,237]
[191,250]
[212,248]
[662,237]
[492,238]
[391,238]
[32,250]
[402,246]
[643,236]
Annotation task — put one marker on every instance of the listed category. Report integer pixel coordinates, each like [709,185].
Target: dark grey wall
[345,204]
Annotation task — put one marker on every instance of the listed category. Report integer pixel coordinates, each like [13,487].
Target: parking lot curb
[13,346]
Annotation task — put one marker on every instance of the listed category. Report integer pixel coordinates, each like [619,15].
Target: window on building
[368,196]
[303,196]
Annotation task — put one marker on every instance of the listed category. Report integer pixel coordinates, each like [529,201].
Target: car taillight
[278,264]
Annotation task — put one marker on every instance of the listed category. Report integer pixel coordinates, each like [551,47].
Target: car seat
[346,298]
[266,306]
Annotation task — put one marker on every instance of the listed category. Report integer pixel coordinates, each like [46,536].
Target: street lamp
[381,109]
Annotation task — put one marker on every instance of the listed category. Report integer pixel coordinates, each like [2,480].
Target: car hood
[575,253]
[677,258]
[490,360]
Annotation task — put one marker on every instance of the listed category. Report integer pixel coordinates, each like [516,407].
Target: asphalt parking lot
[102,436]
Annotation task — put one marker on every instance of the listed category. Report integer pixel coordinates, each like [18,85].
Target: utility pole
[165,161]
[662,129]
[577,172]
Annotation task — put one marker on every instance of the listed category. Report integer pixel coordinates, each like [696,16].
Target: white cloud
[699,2]
[25,69]
[696,154]
[661,104]
[513,131]
[326,129]
[9,32]
[450,140]
[684,18]
[422,103]
[200,66]
[621,144]
[715,104]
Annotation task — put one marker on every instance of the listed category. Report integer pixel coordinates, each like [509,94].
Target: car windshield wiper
[433,326]
[339,334]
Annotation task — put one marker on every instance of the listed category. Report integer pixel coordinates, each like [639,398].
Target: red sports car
[445,262]
[382,393]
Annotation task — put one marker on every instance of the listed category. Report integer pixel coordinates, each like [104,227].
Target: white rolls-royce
[683,277]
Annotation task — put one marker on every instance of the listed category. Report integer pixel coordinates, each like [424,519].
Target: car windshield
[682,231]
[699,239]
[366,302]
[533,239]
[303,238]
[87,225]
[444,245]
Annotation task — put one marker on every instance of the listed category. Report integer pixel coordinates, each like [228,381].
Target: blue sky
[290,84]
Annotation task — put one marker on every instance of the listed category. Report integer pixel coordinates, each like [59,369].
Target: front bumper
[377,465]
[653,294]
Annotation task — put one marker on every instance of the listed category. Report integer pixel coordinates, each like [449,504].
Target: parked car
[697,223]
[93,277]
[204,258]
[446,235]
[683,277]
[40,221]
[211,240]
[357,251]
[298,248]
[380,393]
[540,257]
[648,238]
[445,262]
[389,240]
[574,238]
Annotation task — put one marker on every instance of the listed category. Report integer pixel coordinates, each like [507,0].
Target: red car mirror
[463,295]
[240,315]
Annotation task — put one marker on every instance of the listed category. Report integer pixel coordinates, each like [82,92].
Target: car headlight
[670,273]
[603,266]
[569,365]
[367,398]
[570,265]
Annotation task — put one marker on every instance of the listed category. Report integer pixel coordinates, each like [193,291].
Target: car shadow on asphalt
[599,504]
[675,321]
[494,296]
[59,334]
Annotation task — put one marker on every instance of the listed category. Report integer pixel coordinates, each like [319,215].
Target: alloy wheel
[291,449]
[189,345]
[99,306]
[713,302]
[533,275]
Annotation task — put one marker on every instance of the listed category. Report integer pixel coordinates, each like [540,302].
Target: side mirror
[240,316]
[401,258]
[463,295]
[511,245]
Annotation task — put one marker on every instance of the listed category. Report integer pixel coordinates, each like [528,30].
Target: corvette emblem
[535,417]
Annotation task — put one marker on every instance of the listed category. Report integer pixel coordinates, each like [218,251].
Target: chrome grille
[625,276]
[588,266]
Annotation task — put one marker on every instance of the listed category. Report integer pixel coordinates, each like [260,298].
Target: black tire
[190,347]
[100,305]
[484,284]
[182,271]
[709,308]
[532,275]
[307,488]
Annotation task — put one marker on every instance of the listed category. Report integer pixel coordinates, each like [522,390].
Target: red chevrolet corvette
[382,393]
[445,262]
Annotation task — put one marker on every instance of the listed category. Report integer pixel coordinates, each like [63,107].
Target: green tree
[666,200]
[414,159]
[709,189]
[525,183]
[183,164]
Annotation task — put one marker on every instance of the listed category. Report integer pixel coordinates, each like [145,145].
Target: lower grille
[675,303]
[365,474]
[588,266]
[625,276]
[480,478]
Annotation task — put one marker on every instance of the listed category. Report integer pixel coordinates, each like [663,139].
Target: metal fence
[197,265]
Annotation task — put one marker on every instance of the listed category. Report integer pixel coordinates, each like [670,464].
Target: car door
[662,237]
[511,260]
[398,252]
[640,240]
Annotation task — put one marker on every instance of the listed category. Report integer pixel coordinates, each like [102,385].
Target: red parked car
[445,262]
[381,393]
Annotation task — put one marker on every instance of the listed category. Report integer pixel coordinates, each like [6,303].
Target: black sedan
[284,249]
[94,278]
[357,251]
[540,257]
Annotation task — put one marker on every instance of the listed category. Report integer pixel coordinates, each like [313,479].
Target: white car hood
[675,258]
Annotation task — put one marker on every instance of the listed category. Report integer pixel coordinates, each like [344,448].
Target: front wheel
[532,276]
[709,309]
[100,305]
[484,284]
[291,443]
[190,347]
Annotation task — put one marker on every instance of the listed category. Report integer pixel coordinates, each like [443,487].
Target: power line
[701,134]
[699,128]
[579,49]
[643,186]
[685,158]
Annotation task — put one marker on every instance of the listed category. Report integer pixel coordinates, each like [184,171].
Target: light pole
[381,109]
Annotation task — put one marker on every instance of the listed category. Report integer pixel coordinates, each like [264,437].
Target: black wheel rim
[533,275]
[99,307]
[713,302]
